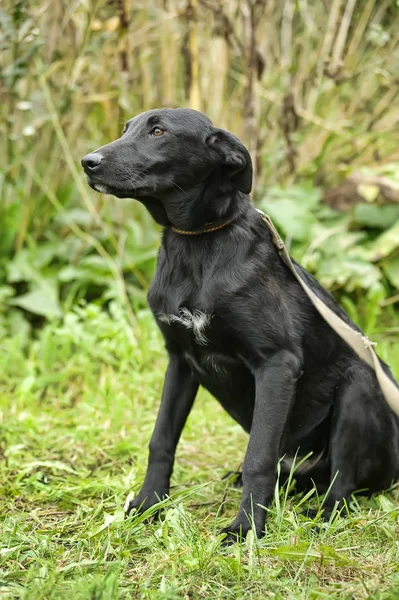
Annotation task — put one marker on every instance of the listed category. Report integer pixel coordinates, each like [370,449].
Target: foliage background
[312,88]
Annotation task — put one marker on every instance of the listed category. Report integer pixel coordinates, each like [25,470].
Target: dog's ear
[233,155]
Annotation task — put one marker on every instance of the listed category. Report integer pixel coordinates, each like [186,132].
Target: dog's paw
[142,504]
[135,506]
[237,532]
[233,534]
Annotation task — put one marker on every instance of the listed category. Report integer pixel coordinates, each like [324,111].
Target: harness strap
[358,342]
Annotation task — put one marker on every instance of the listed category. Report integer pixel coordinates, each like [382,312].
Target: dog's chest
[185,308]
[196,321]
[204,341]
[191,305]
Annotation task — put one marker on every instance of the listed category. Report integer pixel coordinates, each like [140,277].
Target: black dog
[236,321]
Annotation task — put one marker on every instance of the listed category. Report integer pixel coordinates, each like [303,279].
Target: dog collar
[209,227]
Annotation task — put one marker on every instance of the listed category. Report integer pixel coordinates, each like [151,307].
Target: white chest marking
[196,320]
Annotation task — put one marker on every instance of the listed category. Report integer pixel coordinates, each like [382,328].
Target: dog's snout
[91,161]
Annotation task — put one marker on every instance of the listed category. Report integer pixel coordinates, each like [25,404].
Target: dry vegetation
[309,86]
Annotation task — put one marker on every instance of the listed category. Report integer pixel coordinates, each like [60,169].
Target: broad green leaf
[6,292]
[29,263]
[349,272]
[386,504]
[5,551]
[20,268]
[386,243]
[139,256]
[42,300]
[110,520]
[295,220]
[372,215]
[308,553]
[291,209]
[86,562]
[85,275]
[391,270]
[341,242]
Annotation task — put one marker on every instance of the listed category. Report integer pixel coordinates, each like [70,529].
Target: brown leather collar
[213,226]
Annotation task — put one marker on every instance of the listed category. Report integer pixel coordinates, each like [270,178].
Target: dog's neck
[194,209]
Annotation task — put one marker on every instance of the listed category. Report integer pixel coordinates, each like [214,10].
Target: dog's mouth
[137,192]
[119,192]
[98,187]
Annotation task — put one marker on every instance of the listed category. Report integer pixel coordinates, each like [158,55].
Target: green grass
[77,408]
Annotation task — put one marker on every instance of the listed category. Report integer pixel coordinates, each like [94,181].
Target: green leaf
[28,264]
[386,243]
[42,300]
[386,504]
[391,270]
[349,272]
[6,292]
[306,552]
[116,518]
[5,551]
[292,218]
[20,268]
[372,215]
[139,256]
[342,242]
[85,275]
[86,562]
[291,209]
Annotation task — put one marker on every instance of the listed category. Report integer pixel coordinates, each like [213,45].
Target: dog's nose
[91,161]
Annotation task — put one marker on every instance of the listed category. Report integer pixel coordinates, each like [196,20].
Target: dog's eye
[157,131]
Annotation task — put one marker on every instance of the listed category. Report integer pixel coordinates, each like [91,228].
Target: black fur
[268,357]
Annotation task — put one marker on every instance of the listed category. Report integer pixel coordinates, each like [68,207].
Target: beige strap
[358,342]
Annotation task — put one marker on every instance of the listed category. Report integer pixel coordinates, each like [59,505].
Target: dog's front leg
[274,390]
[179,391]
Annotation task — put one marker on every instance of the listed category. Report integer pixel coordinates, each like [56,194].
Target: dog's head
[168,151]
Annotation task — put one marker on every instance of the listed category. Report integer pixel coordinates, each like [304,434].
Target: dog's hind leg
[363,441]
